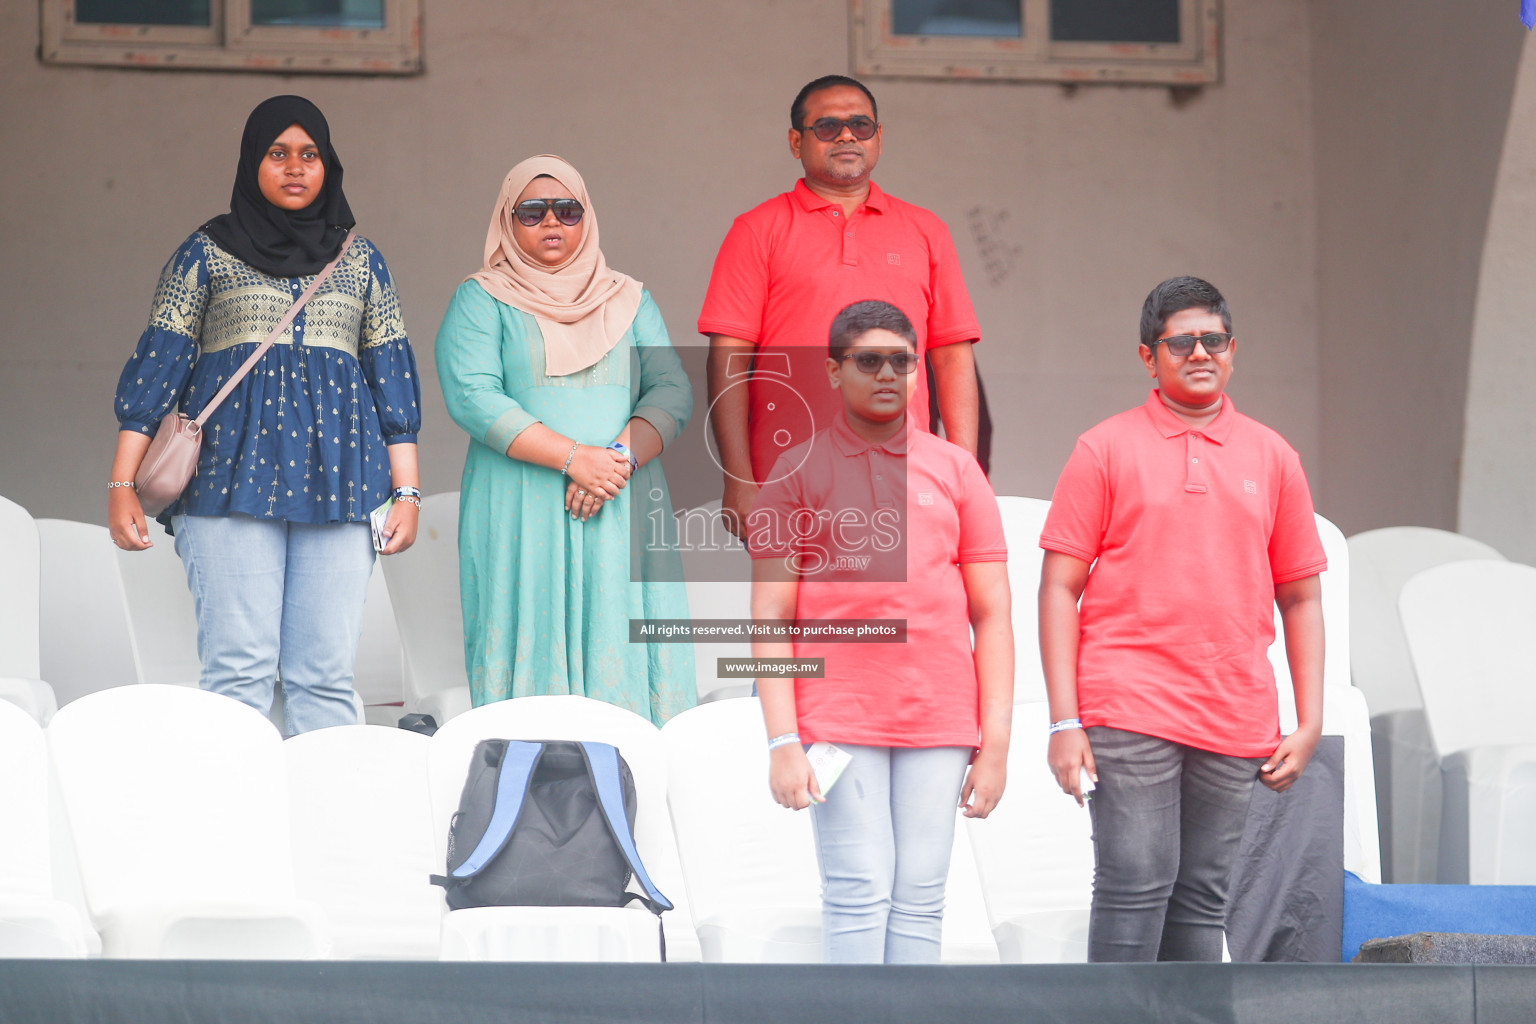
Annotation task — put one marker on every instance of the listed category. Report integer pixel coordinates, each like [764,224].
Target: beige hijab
[582,307]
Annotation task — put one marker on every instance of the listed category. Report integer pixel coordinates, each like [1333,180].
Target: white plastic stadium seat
[1023,519]
[525,933]
[85,643]
[967,936]
[1035,855]
[1408,787]
[379,678]
[749,864]
[20,661]
[178,802]
[362,839]
[1382,561]
[561,934]
[424,592]
[1335,586]
[162,620]
[720,599]
[708,551]
[33,696]
[1469,629]
[33,923]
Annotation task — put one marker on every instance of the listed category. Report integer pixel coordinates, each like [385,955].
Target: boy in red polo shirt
[1179,525]
[874,518]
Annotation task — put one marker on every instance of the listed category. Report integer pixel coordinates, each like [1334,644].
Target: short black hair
[859,319]
[797,108]
[1176,295]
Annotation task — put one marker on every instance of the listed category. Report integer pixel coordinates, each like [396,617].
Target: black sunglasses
[530,212]
[870,362]
[1183,344]
[829,128]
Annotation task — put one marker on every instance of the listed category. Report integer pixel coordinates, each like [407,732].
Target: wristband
[1064,725]
[407,491]
[783,741]
[565,469]
[619,447]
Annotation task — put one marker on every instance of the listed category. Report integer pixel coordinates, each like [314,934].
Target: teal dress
[547,598]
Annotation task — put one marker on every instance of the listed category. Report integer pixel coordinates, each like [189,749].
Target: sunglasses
[829,128]
[530,212]
[1183,344]
[870,362]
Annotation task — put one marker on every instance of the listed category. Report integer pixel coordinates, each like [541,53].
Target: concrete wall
[1067,205]
[1498,484]
[1413,100]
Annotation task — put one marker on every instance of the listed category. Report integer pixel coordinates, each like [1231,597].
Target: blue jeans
[277,599]
[1167,823]
[883,839]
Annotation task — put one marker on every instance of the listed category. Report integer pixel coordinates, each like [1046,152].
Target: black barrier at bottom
[352,992]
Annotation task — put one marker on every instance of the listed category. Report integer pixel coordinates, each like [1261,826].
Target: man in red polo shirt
[1179,525]
[788,266]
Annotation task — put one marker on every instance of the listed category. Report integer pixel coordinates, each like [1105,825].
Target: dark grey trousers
[1167,823]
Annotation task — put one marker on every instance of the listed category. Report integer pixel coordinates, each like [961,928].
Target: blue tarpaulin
[1387,911]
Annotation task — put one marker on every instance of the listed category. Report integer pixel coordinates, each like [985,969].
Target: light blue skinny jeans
[278,599]
[883,839]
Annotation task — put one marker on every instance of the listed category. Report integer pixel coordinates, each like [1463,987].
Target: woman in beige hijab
[561,371]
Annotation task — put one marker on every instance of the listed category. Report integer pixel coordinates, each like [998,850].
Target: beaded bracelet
[120,483]
[409,499]
[565,469]
[1065,724]
[783,741]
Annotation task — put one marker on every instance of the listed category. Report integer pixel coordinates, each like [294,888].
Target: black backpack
[547,823]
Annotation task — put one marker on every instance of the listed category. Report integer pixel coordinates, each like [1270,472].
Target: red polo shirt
[922,693]
[1188,531]
[787,267]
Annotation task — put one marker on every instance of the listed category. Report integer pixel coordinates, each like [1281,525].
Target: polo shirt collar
[1169,425]
[811,202]
[848,443]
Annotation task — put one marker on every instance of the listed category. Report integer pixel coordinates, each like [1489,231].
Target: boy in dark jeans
[1195,522]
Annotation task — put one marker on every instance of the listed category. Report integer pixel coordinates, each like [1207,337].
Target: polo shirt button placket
[1194,480]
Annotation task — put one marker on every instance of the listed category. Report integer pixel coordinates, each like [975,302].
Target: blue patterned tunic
[304,436]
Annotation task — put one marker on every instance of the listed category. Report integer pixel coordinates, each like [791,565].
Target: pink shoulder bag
[171,460]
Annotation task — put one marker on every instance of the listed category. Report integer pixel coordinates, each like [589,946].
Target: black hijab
[275,241]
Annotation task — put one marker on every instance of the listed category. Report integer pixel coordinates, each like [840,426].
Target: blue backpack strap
[603,766]
[517,763]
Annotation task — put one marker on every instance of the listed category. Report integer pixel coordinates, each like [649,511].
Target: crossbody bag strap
[282,325]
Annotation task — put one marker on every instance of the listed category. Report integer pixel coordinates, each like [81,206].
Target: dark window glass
[142,12]
[1115,21]
[957,18]
[319,13]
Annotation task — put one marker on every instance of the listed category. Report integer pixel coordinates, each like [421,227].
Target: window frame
[230,42]
[1195,60]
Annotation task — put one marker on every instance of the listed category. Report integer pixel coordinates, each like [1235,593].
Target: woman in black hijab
[277,241]
[273,528]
